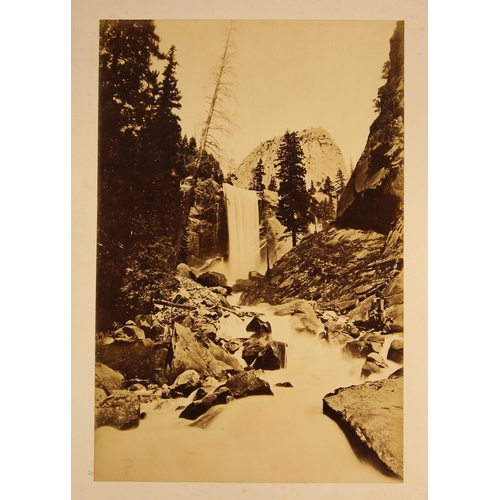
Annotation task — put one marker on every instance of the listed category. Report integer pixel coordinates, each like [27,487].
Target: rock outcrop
[322,158]
[121,410]
[371,415]
[373,196]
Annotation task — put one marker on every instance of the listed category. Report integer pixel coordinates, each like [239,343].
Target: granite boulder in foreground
[371,414]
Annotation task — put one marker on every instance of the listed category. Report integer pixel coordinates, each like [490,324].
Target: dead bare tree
[218,120]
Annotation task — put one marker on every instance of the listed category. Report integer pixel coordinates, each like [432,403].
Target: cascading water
[243,225]
[280,438]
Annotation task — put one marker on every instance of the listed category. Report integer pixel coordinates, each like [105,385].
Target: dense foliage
[143,164]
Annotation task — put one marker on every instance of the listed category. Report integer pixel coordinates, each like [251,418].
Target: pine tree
[294,200]
[162,197]
[272,184]
[328,188]
[258,176]
[128,87]
[339,182]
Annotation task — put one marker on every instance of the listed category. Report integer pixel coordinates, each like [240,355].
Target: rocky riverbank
[180,352]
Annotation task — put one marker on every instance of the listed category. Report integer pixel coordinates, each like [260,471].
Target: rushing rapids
[280,438]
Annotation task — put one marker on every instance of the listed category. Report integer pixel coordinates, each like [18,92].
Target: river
[280,438]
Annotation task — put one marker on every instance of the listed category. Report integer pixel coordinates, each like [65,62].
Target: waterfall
[243,226]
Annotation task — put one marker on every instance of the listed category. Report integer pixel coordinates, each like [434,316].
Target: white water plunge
[243,224]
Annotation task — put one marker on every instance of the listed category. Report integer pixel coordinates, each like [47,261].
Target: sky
[289,75]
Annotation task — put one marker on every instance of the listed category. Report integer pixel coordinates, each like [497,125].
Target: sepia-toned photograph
[249,306]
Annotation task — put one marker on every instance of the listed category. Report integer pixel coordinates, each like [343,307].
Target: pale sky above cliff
[290,75]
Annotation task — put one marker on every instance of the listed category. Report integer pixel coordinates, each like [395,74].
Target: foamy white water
[280,438]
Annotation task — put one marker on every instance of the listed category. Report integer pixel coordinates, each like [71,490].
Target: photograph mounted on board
[250,264]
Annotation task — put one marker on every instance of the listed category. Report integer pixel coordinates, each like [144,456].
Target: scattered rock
[283,384]
[251,349]
[247,384]
[303,316]
[107,379]
[221,290]
[397,373]
[272,357]
[211,279]
[374,363]
[231,346]
[222,355]
[186,382]
[255,276]
[242,285]
[371,414]
[198,408]
[131,331]
[372,337]
[360,349]
[190,353]
[336,337]
[136,387]
[396,351]
[100,396]
[259,327]
[150,324]
[185,271]
[120,410]
[200,394]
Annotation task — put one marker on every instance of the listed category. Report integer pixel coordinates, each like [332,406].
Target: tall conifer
[294,200]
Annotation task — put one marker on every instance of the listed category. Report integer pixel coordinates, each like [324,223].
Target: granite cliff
[322,158]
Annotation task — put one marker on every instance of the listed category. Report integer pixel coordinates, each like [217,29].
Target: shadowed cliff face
[373,197]
[359,258]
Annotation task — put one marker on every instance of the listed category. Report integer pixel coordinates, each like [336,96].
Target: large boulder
[272,357]
[185,271]
[374,363]
[212,279]
[186,382]
[242,285]
[107,379]
[192,353]
[304,318]
[251,349]
[120,410]
[371,414]
[395,352]
[133,359]
[361,349]
[224,356]
[220,396]
[248,384]
[259,327]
